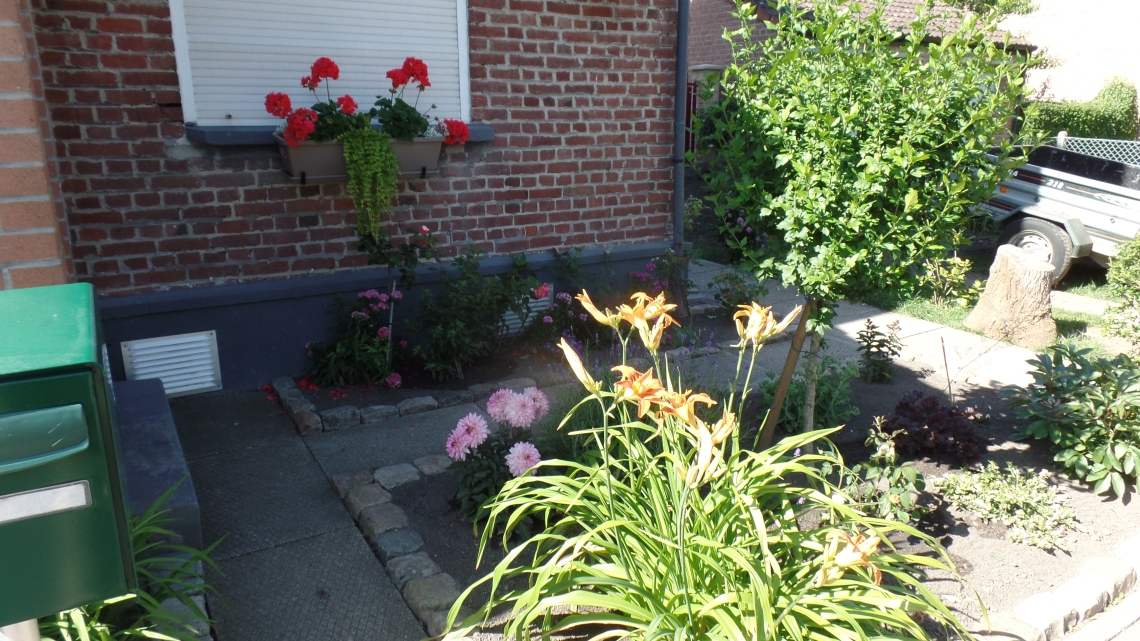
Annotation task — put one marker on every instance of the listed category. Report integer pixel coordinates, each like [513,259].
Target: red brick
[37,276]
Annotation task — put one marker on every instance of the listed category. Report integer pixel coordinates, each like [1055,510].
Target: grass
[1087,279]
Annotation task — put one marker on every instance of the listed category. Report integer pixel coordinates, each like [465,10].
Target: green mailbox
[64,535]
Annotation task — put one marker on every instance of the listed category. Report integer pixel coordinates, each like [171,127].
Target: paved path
[294,566]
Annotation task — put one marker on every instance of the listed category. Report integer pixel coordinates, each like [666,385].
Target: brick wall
[32,249]
[708,20]
[579,93]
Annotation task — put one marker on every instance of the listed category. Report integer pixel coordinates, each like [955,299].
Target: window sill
[263,134]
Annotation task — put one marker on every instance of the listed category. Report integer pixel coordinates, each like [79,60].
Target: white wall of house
[1091,40]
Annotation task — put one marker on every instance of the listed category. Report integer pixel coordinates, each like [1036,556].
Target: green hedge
[1112,114]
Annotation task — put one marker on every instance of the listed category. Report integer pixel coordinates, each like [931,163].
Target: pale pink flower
[519,411]
[497,404]
[456,449]
[397,295]
[472,430]
[547,319]
[371,293]
[522,457]
[541,403]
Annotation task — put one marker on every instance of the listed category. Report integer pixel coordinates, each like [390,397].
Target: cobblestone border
[309,421]
[1047,616]
[428,590]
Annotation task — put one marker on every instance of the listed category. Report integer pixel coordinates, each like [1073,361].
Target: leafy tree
[844,154]
[1001,7]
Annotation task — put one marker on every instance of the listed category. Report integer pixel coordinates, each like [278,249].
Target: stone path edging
[309,421]
[1047,616]
[428,590]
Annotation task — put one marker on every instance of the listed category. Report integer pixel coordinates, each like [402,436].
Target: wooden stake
[773,417]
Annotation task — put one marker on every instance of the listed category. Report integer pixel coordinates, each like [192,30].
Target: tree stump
[1015,305]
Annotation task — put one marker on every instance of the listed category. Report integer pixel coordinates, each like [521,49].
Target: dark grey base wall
[262,327]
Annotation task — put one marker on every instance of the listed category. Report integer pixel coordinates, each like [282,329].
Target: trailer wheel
[1048,241]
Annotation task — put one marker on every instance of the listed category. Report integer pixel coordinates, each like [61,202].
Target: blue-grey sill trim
[327,284]
[263,134]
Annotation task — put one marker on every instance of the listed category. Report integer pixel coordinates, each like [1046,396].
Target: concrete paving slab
[325,587]
[1078,303]
[214,424]
[397,440]
[264,496]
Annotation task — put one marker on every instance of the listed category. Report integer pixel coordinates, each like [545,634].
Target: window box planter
[322,162]
[313,162]
[421,156]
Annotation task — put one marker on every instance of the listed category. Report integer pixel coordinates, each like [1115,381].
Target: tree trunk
[1015,305]
[811,375]
[773,417]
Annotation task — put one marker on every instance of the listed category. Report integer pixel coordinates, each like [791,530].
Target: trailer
[1077,198]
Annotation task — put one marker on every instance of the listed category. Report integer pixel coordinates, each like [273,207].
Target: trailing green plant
[732,289]
[167,572]
[1090,409]
[946,281]
[694,537]
[1111,114]
[372,173]
[1029,506]
[1124,283]
[465,322]
[928,427]
[886,489]
[879,350]
[833,406]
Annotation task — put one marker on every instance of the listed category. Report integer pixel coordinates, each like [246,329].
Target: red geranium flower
[299,125]
[325,68]
[310,83]
[417,70]
[540,292]
[398,77]
[278,104]
[457,132]
[347,104]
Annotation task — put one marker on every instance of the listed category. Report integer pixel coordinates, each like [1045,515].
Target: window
[231,53]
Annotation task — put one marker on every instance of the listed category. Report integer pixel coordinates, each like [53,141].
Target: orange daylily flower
[652,339]
[708,464]
[637,387]
[578,368]
[683,405]
[855,553]
[761,324]
[644,310]
[607,318]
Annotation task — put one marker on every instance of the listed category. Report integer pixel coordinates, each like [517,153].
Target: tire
[1050,242]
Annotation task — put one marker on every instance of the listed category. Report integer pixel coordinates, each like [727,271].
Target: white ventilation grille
[514,323]
[186,363]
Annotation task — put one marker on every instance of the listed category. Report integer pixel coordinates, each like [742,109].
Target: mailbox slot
[36,437]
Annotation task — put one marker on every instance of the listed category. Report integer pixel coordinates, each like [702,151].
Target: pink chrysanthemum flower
[397,295]
[456,449]
[393,380]
[384,332]
[496,405]
[371,293]
[541,403]
[519,411]
[472,430]
[522,457]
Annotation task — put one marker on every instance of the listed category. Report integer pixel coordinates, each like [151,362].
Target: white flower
[522,457]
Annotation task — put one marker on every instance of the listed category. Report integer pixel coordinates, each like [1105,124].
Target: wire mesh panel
[1125,151]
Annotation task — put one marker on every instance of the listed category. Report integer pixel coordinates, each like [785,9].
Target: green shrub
[1090,409]
[1111,114]
[1025,502]
[165,571]
[1124,283]
[885,488]
[946,282]
[878,351]
[361,352]
[464,323]
[832,396]
[732,289]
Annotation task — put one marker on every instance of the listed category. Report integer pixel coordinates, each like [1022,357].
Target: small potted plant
[415,139]
[310,139]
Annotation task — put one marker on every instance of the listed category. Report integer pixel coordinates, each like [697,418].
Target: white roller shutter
[231,53]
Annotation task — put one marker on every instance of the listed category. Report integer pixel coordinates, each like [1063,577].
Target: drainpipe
[679,106]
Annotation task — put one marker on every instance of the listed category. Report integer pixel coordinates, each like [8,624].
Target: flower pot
[419,156]
[312,162]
